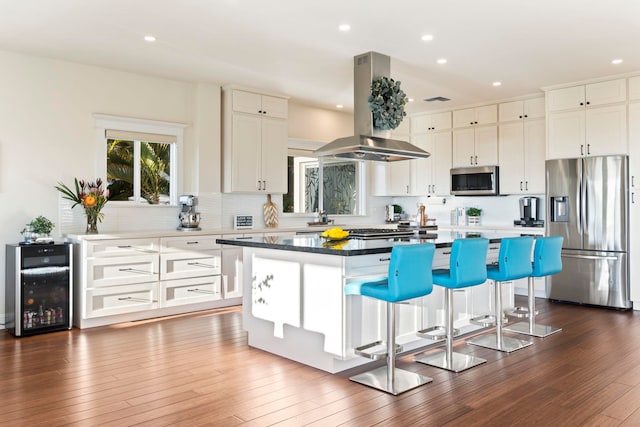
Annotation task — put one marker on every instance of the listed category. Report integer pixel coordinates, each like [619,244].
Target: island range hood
[369,143]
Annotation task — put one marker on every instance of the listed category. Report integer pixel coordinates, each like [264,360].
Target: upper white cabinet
[432,175]
[475,146]
[255,133]
[594,94]
[634,88]
[521,110]
[588,120]
[430,122]
[634,192]
[478,116]
[522,157]
[253,103]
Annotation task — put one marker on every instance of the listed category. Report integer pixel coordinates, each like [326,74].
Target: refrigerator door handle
[611,258]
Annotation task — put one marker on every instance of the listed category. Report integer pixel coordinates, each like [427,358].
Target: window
[140,159]
[339,194]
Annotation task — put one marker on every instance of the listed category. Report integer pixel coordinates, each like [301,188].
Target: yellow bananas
[335,233]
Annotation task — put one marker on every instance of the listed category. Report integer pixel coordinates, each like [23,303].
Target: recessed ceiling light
[344,27]
[427,38]
[149,38]
[339,106]
[410,99]
[441,61]
[497,83]
[616,61]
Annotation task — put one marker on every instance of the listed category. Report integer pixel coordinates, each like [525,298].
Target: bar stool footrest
[436,333]
[486,320]
[375,351]
[520,312]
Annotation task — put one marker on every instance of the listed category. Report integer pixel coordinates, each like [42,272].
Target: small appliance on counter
[189,217]
[529,213]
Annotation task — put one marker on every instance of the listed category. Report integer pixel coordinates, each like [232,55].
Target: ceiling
[294,47]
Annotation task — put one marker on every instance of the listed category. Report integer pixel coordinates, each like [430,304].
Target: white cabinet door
[568,98]
[486,114]
[274,155]
[441,121]
[522,157]
[634,88]
[464,118]
[566,134]
[231,272]
[634,202]
[189,291]
[606,130]
[113,271]
[486,146]
[246,155]
[463,149]
[183,265]
[519,110]
[441,164]
[246,102]
[120,300]
[275,107]
[608,92]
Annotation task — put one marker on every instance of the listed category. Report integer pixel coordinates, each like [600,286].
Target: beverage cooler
[38,288]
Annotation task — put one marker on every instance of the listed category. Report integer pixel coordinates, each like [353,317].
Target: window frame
[104,122]
[302,148]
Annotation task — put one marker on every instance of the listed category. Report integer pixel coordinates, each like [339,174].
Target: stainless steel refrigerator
[587,204]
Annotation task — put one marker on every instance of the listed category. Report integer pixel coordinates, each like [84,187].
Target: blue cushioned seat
[467,267]
[514,262]
[409,276]
[547,260]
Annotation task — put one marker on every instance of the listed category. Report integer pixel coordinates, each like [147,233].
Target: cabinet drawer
[111,271]
[121,299]
[190,291]
[367,265]
[182,265]
[189,243]
[122,247]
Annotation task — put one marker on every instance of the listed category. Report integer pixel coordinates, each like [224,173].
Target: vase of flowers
[91,196]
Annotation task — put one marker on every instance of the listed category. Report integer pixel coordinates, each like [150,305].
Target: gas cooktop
[378,233]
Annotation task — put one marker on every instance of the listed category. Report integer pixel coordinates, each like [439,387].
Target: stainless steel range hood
[369,143]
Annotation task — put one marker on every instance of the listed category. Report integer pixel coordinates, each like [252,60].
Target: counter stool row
[410,275]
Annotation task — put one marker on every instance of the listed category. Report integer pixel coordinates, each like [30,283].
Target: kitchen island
[294,303]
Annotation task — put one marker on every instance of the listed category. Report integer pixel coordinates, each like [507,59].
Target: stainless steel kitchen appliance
[529,212]
[587,206]
[189,217]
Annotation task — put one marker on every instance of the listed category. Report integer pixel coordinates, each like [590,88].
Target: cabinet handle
[446,253]
[588,148]
[125,247]
[470,123]
[588,102]
[193,243]
[259,185]
[135,270]
[200,291]
[264,185]
[581,149]
[471,160]
[476,160]
[407,189]
[520,185]
[526,185]
[475,123]
[244,238]
[199,264]
[520,116]
[633,181]
[264,112]
[525,116]
[582,103]
[385,259]
[633,200]
[132,299]
[259,111]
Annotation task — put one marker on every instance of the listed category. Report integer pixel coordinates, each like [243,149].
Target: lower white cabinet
[129,279]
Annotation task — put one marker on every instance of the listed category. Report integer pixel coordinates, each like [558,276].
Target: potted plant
[473,216]
[39,227]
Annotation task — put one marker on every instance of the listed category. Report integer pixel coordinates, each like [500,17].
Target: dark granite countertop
[313,243]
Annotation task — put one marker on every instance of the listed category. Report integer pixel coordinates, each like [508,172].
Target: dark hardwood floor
[198,370]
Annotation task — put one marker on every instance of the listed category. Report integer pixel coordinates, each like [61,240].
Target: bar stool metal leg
[448,359]
[388,378]
[497,341]
[531,327]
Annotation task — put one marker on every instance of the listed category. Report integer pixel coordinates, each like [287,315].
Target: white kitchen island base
[294,306]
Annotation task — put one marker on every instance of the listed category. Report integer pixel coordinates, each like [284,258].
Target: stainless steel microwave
[475,181]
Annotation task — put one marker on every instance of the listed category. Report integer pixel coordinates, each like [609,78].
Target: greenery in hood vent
[387,102]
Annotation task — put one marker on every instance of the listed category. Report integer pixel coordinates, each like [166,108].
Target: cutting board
[270,210]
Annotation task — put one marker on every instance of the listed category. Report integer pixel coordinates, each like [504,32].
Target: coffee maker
[529,212]
[189,217]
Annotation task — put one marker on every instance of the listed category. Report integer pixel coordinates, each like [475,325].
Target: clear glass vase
[92,223]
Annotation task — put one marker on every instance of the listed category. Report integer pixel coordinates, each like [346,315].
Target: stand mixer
[189,217]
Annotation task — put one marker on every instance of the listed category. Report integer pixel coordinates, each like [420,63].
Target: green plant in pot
[38,228]
[473,216]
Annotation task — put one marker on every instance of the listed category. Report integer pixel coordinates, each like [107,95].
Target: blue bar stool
[547,260]
[467,267]
[514,262]
[409,276]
